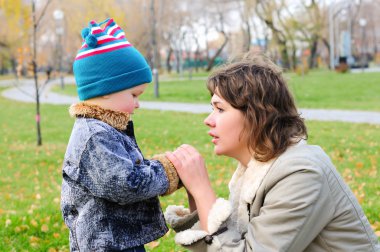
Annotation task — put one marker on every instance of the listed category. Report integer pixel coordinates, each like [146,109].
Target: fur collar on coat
[243,187]
[116,119]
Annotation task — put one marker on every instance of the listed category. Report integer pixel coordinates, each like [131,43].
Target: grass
[332,90]
[30,176]
[318,89]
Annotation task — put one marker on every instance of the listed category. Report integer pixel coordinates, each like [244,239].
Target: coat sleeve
[107,171]
[295,209]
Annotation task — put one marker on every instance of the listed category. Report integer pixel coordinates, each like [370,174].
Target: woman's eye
[220,110]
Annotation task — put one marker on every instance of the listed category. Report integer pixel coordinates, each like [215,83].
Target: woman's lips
[214,137]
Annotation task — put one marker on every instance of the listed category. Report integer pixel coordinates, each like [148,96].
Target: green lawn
[30,176]
[323,89]
[318,89]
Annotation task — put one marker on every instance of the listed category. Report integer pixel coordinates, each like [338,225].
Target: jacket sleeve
[107,171]
[171,173]
[294,211]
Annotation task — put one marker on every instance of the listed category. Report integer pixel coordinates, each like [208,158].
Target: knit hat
[107,63]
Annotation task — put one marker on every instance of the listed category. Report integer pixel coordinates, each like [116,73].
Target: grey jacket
[109,191]
[297,202]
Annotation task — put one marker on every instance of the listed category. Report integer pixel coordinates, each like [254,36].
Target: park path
[23,92]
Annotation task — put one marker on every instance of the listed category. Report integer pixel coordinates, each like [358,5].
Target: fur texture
[243,187]
[171,173]
[116,119]
[219,213]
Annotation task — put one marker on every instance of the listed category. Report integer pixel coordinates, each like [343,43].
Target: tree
[15,20]
[36,22]
[269,12]
[219,10]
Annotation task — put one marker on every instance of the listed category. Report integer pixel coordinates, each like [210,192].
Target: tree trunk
[169,55]
[327,44]
[197,59]
[34,64]
[293,64]
[313,54]
[247,37]
[284,55]
[211,62]
[178,61]
[281,41]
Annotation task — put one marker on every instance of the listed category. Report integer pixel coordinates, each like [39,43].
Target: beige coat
[297,202]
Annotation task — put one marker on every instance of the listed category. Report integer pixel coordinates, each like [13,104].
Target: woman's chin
[218,151]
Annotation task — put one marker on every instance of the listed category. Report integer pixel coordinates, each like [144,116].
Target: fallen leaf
[44,228]
[34,223]
[8,222]
[34,239]
[359,165]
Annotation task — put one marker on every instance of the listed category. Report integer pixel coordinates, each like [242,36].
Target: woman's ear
[105,96]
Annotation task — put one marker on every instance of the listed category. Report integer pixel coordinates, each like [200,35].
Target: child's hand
[191,169]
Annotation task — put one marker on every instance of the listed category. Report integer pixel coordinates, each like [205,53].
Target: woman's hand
[192,205]
[192,171]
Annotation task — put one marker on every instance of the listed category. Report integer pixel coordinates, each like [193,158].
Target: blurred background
[175,36]
[329,49]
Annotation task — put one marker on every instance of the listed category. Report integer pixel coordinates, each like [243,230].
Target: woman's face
[226,125]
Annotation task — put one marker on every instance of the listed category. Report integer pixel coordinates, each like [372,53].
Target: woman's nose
[209,121]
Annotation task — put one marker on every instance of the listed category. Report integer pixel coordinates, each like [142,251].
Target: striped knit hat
[107,63]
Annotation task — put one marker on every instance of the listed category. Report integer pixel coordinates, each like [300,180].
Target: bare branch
[43,12]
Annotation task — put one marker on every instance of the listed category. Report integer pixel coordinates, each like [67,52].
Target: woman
[285,195]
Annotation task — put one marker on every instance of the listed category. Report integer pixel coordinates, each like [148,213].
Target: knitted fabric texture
[174,180]
[107,63]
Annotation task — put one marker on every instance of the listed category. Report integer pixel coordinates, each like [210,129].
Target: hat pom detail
[91,41]
[85,32]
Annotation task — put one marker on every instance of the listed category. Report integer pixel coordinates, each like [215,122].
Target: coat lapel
[243,187]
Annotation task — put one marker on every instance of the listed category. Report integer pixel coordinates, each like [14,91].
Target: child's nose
[137,104]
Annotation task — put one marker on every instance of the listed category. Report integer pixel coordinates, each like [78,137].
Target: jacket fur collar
[116,119]
[243,187]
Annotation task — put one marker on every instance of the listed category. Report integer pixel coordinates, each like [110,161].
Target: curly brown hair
[256,86]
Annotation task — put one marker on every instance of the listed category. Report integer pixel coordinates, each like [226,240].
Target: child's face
[126,100]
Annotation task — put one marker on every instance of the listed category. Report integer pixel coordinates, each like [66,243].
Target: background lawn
[318,89]
[30,176]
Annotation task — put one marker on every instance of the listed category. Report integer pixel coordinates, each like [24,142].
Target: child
[109,191]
